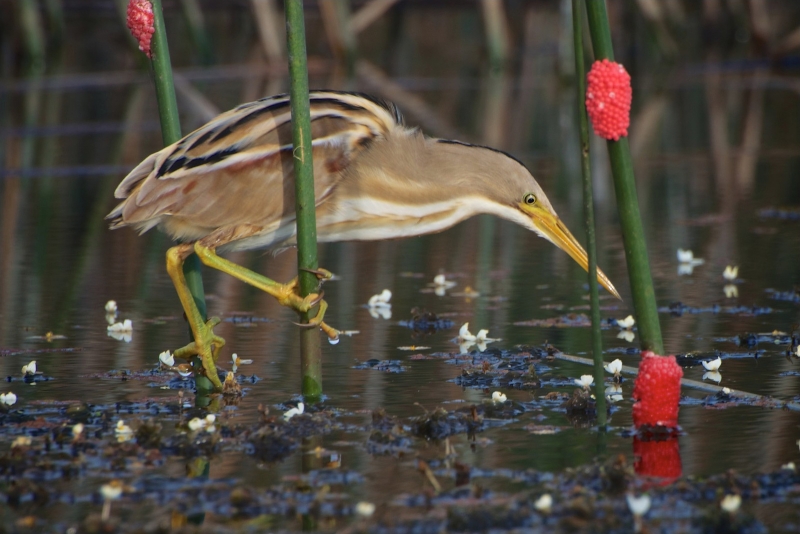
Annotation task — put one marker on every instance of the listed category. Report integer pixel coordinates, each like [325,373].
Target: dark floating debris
[693,359]
[387,366]
[246,319]
[566,321]
[678,309]
[782,214]
[752,340]
[728,398]
[426,322]
[439,423]
[791,296]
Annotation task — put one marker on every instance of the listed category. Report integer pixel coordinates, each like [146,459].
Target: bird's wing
[238,169]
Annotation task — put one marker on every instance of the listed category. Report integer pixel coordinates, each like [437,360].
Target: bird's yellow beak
[555,230]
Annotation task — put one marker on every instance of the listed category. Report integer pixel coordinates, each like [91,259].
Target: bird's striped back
[261,128]
[255,135]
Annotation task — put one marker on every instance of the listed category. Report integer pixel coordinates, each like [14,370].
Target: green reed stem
[170,133]
[644,299]
[588,211]
[305,199]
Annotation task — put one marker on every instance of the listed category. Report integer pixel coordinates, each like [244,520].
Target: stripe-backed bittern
[229,185]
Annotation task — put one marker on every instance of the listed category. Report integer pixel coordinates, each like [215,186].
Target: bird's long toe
[206,346]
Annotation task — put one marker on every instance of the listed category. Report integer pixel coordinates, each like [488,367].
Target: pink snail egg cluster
[608,99]
[656,391]
[140,23]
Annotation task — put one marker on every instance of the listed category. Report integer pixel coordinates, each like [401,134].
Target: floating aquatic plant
[466,339]
[626,323]
[731,503]
[544,503]
[498,397]
[29,369]
[8,399]
[294,411]
[614,367]
[731,272]
[585,381]
[166,358]
[441,285]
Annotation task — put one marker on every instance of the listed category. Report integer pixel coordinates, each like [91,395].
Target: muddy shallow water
[716,163]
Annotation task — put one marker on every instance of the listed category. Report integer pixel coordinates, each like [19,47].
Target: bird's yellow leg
[206,344]
[286,294]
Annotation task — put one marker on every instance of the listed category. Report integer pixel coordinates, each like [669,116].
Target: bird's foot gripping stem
[286,294]
[206,346]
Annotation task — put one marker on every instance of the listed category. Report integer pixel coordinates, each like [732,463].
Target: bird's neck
[411,186]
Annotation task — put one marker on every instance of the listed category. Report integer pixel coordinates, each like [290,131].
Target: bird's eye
[529,199]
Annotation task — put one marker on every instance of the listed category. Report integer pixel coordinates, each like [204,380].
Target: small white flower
[789,467]
[8,398]
[365,509]
[466,339]
[111,306]
[111,491]
[167,359]
[380,312]
[196,424]
[209,420]
[464,334]
[381,300]
[714,376]
[440,280]
[77,430]
[627,335]
[685,269]
[638,505]
[21,441]
[441,285]
[121,331]
[29,369]
[544,503]
[731,291]
[237,361]
[713,365]
[294,411]
[614,367]
[731,272]
[123,431]
[614,393]
[124,326]
[687,256]
[585,381]
[731,503]
[626,323]
[498,397]
[727,391]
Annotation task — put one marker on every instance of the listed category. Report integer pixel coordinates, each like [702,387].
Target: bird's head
[517,196]
[535,206]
